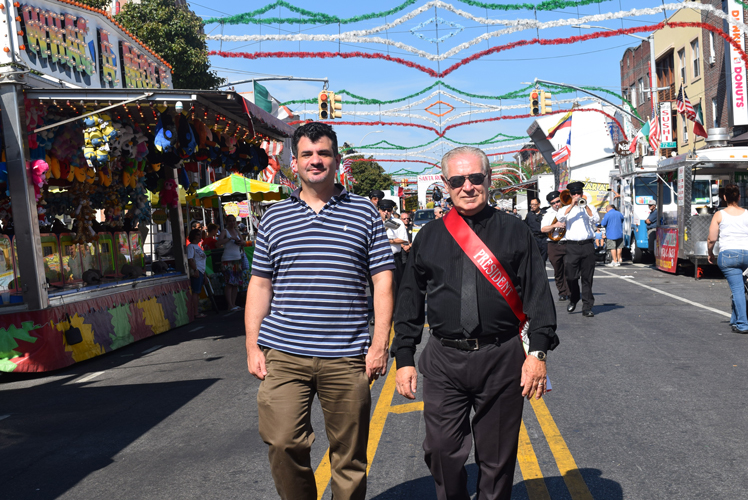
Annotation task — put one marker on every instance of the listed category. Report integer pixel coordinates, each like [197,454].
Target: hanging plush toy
[166,133]
[38,170]
[169,196]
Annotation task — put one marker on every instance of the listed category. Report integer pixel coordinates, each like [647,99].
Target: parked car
[422,217]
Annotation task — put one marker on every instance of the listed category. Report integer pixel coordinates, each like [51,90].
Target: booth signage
[411,203]
[737,67]
[681,186]
[666,123]
[666,249]
[231,209]
[159,217]
[84,48]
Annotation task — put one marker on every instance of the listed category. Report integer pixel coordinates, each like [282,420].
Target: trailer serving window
[645,189]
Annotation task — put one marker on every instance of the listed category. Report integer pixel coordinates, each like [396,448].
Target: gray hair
[467,150]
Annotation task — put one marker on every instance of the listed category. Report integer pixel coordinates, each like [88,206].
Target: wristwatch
[538,354]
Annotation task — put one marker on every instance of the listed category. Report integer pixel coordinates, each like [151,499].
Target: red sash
[491,269]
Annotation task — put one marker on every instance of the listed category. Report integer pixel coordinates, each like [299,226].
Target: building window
[712,51]
[682,60]
[632,93]
[642,99]
[696,58]
[648,94]
[684,129]
[715,114]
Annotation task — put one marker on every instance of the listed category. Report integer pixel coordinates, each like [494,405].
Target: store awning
[236,186]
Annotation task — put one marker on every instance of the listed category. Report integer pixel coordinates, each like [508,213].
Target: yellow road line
[407,407]
[528,464]
[565,462]
[322,474]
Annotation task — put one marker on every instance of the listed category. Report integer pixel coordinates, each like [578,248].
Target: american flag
[285,181]
[564,153]
[684,105]
[654,132]
[348,171]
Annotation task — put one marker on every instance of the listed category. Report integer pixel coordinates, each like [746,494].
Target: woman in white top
[730,227]
[233,246]
[196,261]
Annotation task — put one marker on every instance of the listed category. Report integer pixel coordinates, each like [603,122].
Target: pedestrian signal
[535,103]
[545,102]
[323,105]
[336,104]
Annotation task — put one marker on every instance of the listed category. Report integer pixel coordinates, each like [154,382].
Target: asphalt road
[648,403]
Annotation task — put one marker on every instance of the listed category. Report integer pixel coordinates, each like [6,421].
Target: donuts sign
[89,50]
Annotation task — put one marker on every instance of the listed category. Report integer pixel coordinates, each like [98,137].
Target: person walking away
[729,227]
[580,249]
[196,262]
[474,360]
[397,235]
[613,224]
[556,249]
[534,221]
[231,262]
[306,323]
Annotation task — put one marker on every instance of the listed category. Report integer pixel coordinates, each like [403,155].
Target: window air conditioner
[712,59]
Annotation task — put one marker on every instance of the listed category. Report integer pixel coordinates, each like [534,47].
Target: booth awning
[236,186]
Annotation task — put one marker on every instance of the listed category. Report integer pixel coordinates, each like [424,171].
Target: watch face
[540,355]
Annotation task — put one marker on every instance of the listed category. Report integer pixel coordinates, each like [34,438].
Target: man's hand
[256,362]
[406,248]
[559,225]
[376,362]
[407,381]
[533,378]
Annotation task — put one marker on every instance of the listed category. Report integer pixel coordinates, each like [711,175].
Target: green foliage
[370,175]
[96,4]
[174,33]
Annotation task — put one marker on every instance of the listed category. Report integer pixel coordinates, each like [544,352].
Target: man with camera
[580,220]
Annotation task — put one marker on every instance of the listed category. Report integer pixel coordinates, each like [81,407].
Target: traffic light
[336,104]
[545,102]
[323,105]
[404,183]
[535,103]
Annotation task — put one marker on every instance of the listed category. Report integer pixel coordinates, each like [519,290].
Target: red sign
[666,249]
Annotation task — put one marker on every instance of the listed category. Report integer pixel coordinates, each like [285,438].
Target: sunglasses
[575,192]
[555,202]
[459,180]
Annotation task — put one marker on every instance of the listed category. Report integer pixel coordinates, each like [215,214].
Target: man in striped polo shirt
[306,321]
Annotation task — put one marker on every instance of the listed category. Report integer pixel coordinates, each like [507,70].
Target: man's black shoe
[588,314]
[563,298]
[736,330]
[570,308]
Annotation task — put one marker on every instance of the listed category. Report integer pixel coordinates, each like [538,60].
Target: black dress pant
[580,263]
[556,255]
[398,274]
[487,381]
[543,247]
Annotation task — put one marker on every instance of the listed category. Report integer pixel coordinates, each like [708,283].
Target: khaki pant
[284,404]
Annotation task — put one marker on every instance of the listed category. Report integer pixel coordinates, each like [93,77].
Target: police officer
[533,221]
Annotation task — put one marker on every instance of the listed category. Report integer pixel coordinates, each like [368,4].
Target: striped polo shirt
[318,264]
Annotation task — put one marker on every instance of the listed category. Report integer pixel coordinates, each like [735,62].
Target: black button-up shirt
[435,269]
[533,221]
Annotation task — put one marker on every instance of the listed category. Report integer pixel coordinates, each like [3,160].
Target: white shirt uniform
[551,214]
[397,234]
[579,225]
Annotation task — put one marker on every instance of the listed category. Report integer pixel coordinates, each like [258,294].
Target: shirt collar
[482,217]
[343,195]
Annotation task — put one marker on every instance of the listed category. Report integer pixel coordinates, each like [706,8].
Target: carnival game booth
[90,127]
[682,233]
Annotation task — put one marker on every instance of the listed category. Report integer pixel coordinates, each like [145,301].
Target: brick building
[635,78]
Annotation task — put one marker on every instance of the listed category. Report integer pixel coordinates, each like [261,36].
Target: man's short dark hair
[314,131]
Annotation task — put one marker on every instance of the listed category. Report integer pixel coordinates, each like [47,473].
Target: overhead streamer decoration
[492,50]
[514,26]
[458,28]
[322,18]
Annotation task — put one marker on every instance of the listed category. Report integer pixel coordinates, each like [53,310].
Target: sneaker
[617,264]
[610,264]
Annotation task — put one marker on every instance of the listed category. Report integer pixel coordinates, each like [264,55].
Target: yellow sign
[231,209]
[411,203]
[159,217]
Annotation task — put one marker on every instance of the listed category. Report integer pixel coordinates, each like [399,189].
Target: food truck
[91,127]
[694,178]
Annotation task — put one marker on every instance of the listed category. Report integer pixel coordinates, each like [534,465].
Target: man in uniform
[397,235]
[533,221]
[556,249]
[375,195]
[474,359]
[580,249]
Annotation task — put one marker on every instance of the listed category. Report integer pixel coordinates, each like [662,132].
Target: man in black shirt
[474,359]
[533,220]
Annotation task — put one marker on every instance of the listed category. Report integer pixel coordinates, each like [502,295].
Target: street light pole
[653,87]
[369,133]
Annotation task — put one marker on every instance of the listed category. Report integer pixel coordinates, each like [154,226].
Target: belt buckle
[472,344]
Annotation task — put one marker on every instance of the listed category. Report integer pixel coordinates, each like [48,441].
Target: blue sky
[589,63]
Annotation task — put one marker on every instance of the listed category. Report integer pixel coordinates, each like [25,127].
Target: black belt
[581,242]
[558,242]
[469,344]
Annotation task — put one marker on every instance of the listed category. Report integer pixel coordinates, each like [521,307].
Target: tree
[176,34]
[369,175]
[96,4]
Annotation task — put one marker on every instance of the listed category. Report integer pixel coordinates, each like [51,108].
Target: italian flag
[643,132]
